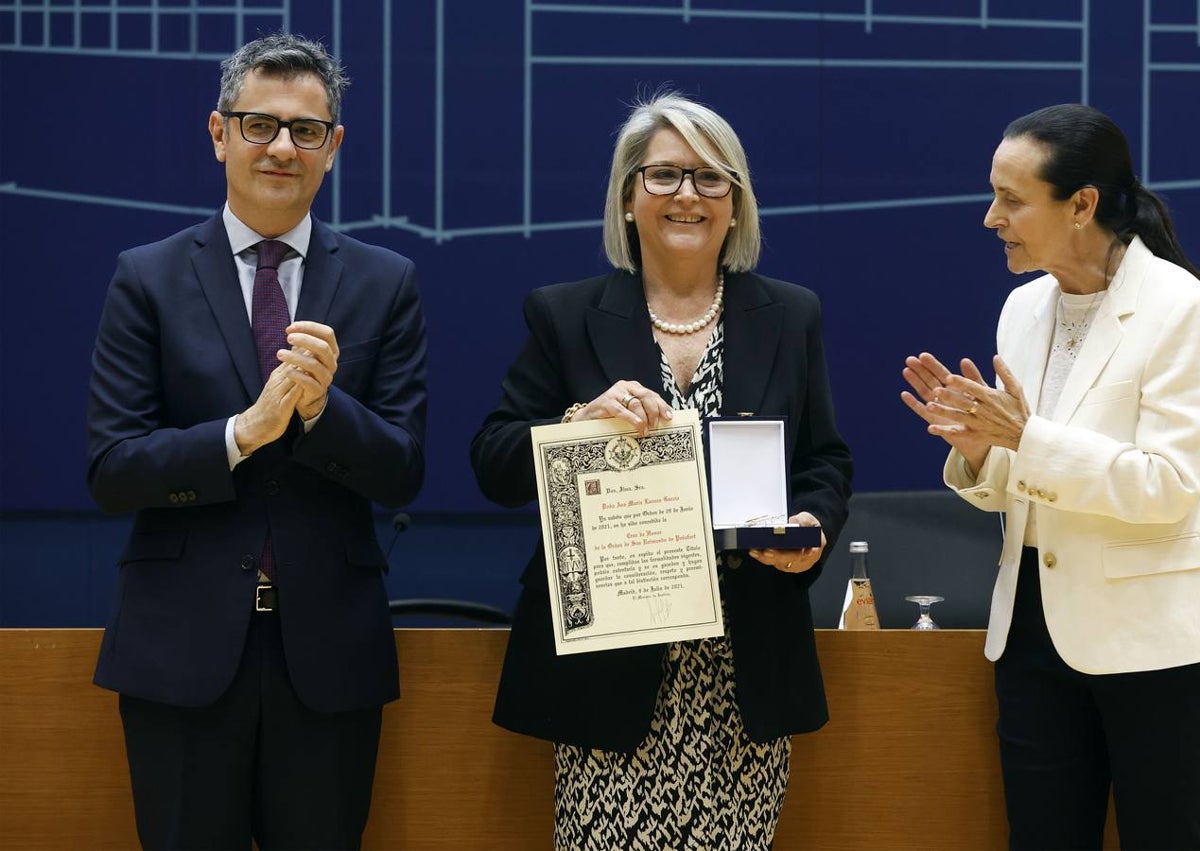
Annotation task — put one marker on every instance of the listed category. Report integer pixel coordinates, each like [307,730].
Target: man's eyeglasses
[261,129]
[666,180]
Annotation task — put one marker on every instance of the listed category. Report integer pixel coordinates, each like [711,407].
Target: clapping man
[258,381]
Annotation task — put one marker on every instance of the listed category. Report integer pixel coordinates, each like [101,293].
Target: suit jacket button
[733,560]
[1021,486]
[247,562]
[1041,492]
[172,497]
[191,495]
[1049,560]
[1051,497]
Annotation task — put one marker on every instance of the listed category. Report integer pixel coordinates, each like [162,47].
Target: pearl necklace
[702,322]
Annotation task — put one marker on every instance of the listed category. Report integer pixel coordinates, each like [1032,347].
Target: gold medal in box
[748,485]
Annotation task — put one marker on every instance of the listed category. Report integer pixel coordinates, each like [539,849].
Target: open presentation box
[748,485]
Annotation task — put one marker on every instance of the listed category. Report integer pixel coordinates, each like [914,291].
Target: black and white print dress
[696,781]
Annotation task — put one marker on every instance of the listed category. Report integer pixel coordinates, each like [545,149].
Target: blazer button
[1021,486]
[1051,497]
[733,561]
[1049,560]
[1041,493]
[982,494]
[247,562]
[191,495]
[272,487]
[172,498]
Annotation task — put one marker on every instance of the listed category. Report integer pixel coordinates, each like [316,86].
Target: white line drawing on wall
[62,27]
[129,28]
[1151,67]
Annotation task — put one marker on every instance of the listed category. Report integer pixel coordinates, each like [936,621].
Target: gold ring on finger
[626,399]
[974,407]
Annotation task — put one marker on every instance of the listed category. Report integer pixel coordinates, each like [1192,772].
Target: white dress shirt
[244,241]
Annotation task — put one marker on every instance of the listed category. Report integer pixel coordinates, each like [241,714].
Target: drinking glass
[924,601]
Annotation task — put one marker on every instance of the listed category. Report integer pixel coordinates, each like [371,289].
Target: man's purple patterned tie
[269,319]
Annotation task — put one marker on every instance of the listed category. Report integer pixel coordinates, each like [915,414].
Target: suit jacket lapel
[753,331]
[1106,331]
[322,274]
[619,331]
[1027,345]
[217,275]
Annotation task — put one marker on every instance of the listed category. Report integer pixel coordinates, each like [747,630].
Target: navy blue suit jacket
[583,337]
[174,359]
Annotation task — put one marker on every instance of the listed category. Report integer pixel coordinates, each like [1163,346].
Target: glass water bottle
[858,610]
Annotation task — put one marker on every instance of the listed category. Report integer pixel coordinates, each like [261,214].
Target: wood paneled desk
[908,760]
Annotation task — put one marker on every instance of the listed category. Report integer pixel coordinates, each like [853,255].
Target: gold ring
[629,397]
[787,566]
[974,407]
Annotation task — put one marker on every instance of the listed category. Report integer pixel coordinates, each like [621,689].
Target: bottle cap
[858,546]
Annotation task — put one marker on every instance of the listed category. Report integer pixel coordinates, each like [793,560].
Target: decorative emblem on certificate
[629,547]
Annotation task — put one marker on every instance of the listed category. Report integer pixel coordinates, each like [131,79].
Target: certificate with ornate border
[630,556]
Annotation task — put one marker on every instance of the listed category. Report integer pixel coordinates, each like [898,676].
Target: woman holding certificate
[655,747]
[1091,445]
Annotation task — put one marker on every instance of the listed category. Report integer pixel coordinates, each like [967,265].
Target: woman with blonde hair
[659,747]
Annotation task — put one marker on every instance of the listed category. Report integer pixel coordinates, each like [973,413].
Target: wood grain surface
[908,761]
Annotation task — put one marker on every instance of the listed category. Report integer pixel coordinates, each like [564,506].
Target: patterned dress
[696,781]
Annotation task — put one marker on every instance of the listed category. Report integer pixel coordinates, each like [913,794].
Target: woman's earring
[1078,226]
[629,217]
[733,223]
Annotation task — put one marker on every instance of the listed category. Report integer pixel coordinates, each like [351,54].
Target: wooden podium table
[908,760]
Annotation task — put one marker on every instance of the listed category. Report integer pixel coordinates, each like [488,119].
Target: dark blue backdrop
[477,142]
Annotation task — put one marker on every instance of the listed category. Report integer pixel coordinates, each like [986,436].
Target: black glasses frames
[664,179]
[259,128]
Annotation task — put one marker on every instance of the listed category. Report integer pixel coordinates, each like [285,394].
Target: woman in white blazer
[1090,444]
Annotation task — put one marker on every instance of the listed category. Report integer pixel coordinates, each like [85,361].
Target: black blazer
[583,337]
[174,359]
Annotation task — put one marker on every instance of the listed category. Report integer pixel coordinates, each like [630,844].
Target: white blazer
[1114,473]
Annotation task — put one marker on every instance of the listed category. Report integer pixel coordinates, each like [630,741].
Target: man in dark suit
[258,380]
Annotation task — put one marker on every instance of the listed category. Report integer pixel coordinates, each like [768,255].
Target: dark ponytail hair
[1087,149]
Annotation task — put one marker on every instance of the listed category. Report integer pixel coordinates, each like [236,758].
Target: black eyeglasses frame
[684,174]
[279,125]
